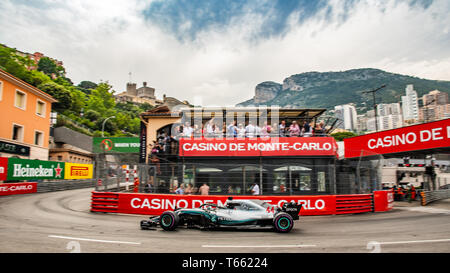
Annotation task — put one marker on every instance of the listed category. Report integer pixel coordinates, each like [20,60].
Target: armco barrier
[431,196]
[155,204]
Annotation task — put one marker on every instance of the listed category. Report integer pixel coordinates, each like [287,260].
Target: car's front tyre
[169,220]
[283,222]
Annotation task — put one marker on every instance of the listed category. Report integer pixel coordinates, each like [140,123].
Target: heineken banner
[27,169]
[116,144]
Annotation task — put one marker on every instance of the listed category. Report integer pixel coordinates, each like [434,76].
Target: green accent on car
[282,226]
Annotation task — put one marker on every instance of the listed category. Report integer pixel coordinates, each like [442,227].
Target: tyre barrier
[431,196]
[156,204]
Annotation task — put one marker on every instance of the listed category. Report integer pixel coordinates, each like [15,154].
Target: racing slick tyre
[283,222]
[169,220]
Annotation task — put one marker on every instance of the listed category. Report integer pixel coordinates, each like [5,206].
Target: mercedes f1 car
[235,213]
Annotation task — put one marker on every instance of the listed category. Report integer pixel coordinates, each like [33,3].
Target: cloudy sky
[215,52]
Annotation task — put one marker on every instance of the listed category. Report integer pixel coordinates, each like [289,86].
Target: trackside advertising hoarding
[18,188]
[155,204]
[27,169]
[277,146]
[416,137]
[116,144]
[78,171]
[3,168]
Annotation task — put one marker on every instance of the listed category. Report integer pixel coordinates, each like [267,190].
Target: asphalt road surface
[60,222]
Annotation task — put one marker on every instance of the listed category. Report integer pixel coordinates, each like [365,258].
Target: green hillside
[327,89]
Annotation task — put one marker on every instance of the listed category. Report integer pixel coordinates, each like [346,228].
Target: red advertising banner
[416,137]
[3,168]
[155,204]
[383,200]
[18,188]
[276,146]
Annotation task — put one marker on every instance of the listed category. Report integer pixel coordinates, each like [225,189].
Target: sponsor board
[155,204]
[12,148]
[416,137]
[116,145]
[3,168]
[78,171]
[383,200]
[27,169]
[17,188]
[277,146]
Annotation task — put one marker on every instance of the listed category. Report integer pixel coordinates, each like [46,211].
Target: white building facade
[410,105]
[347,114]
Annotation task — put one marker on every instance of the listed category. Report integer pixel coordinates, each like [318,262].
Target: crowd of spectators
[167,143]
[240,130]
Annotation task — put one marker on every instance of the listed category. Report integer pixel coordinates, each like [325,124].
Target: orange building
[24,119]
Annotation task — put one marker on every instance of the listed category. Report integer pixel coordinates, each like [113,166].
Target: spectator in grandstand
[197,131]
[318,130]
[180,189]
[307,129]
[250,130]
[294,129]
[282,128]
[189,189]
[204,189]
[232,129]
[187,130]
[254,189]
[240,131]
[274,132]
[210,127]
[265,130]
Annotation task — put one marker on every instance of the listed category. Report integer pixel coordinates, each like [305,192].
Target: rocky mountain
[327,89]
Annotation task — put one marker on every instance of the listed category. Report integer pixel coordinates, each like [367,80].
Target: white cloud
[104,40]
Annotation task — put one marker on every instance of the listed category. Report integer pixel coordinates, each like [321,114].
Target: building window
[17,133]
[20,100]
[59,157]
[40,108]
[38,138]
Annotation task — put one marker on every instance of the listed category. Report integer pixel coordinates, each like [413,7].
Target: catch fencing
[431,196]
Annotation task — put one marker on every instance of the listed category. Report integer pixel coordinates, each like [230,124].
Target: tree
[47,66]
[60,93]
[87,85]
[342,135]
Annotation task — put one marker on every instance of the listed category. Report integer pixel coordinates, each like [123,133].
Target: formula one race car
[235,213]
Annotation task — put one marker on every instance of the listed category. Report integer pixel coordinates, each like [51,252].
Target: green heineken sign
[27,169]
[116,144]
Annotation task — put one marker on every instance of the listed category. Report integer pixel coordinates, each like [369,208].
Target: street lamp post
[103,125]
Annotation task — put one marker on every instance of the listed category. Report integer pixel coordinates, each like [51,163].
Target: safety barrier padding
[354,203]
[155,204]
[105,202]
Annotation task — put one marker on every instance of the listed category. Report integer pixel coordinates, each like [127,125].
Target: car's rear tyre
[283,222]
[169,220]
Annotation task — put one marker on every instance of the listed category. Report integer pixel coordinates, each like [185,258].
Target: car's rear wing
[292,209]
